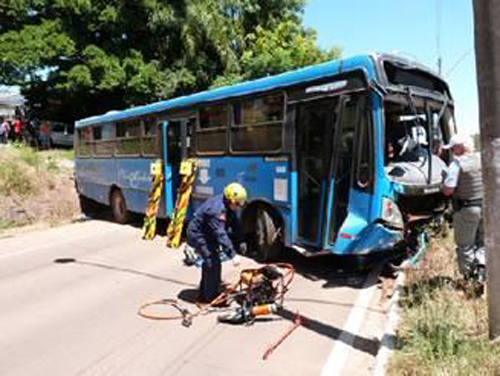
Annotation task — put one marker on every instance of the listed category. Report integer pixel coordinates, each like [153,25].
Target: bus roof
[246,88]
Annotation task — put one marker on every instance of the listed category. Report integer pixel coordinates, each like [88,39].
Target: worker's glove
[236,260]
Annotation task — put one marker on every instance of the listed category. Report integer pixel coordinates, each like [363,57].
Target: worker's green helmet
[235,192]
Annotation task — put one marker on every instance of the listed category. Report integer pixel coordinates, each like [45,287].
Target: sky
[418,29]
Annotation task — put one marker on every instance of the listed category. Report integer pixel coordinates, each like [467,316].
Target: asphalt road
[69,298]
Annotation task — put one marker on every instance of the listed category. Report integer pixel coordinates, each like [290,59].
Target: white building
[8,104]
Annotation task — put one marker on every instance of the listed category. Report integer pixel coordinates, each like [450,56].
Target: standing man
[4,131]
[18,129]
[45,135]
[208,233]
[464,182]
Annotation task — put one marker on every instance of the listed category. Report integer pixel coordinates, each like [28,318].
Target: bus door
[351,170]
[316,125]
[176,136]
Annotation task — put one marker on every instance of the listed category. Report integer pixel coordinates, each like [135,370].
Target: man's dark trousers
[210,278]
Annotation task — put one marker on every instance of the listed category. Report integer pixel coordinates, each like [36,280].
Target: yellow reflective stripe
[188,177]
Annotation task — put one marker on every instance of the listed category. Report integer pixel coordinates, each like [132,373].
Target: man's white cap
[455,140]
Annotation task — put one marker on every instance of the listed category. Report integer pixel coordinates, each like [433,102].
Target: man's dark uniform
[208,233]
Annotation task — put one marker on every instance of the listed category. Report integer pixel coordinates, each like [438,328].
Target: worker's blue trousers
[210,279]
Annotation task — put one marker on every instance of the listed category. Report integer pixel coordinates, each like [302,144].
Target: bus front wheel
[268,239]
[119,207]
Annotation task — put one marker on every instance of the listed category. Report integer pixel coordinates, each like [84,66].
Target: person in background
[18,129]
[208,234]
[463,181]
[45,135]
[4,131]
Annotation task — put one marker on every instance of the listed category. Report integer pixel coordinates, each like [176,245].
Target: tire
[119,207]
[268,241]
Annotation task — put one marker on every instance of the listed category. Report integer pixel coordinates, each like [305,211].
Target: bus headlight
[391,213]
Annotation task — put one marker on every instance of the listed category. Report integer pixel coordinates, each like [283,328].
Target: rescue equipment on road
[257,292]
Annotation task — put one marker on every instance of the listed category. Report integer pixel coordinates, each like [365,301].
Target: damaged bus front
[417,121]
[387,162]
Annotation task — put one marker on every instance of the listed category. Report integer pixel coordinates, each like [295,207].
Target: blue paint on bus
[353,209]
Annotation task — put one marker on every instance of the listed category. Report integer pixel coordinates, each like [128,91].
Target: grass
[24,170]
[6,224]
[443,332]
[15,178]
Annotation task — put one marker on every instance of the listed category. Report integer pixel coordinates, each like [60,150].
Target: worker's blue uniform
[208,233]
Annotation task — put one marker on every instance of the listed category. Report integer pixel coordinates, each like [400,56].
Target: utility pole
[487,39]
[438,36]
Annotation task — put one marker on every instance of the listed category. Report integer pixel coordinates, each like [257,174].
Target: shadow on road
[369,346]
[120,269]
[333,271]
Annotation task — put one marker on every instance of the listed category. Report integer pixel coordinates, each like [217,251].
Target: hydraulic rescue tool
[257,292]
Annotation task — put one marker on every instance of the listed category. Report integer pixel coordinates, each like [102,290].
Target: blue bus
[337,158]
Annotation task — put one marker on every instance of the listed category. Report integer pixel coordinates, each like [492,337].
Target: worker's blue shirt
[209,228]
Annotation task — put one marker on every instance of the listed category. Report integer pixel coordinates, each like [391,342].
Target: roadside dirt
[54,202]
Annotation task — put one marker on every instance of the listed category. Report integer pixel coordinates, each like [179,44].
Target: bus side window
[84,145]
[174,142]
[150,139]
[211,136]
[258,124]
[128,133]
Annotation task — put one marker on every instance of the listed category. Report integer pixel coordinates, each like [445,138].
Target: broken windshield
[413,128]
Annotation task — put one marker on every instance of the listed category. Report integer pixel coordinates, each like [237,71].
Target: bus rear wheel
[119,207]
[267,234]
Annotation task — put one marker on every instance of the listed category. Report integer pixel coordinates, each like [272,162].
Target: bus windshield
[415,132]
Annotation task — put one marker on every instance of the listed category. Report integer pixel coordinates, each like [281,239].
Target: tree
[89,56]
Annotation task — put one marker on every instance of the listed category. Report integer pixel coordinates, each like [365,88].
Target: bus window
[211,136]
[84,145]
[104,140]
[128,135]
[150,139]
[174,143]
[406,133]
[97,132]
[258,124]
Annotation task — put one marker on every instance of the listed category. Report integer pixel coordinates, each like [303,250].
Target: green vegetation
[78,58]
[15,179]
[35,187]
[444,330]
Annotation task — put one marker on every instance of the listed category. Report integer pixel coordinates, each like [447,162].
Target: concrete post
[487,40]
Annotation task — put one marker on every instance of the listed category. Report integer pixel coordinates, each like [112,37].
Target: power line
[464,55]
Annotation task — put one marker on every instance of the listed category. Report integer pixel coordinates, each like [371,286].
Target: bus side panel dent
[375,238]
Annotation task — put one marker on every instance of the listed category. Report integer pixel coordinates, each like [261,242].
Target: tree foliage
[89,56]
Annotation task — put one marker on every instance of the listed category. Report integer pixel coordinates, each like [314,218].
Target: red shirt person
[18,128]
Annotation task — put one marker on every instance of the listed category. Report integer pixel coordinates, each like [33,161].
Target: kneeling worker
[208,233]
